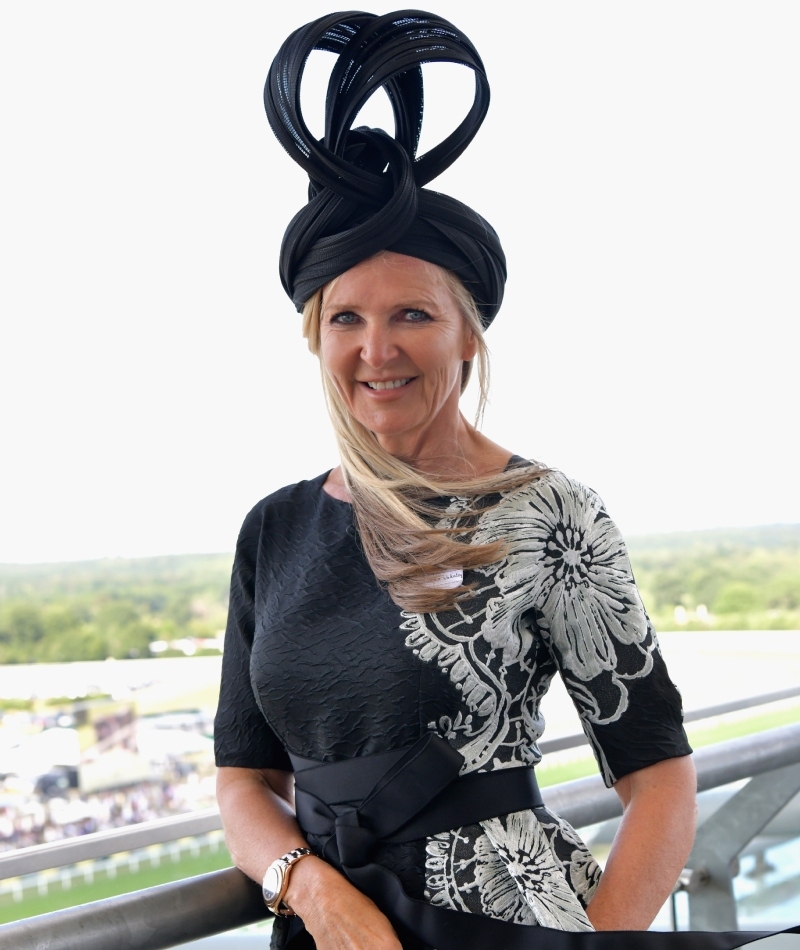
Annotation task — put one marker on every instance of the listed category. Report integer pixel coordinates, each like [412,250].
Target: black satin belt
[348,808]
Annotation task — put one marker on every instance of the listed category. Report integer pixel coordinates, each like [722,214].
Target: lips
[388,383]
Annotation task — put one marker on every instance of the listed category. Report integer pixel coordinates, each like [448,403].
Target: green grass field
[581,763]
[103,886]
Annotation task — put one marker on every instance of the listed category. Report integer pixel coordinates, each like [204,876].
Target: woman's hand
[336,914]
[257,808]
[651,846]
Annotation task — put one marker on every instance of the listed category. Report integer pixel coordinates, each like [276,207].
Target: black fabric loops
[366,188]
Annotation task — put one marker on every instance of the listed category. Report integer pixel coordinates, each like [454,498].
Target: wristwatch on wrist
[276,880]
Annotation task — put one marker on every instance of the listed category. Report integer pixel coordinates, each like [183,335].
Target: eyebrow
[420,304]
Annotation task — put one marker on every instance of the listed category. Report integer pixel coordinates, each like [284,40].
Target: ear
[470,349]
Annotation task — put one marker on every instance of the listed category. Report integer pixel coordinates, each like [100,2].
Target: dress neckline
[513,460]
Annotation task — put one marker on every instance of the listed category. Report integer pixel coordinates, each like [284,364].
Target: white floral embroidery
[520,841]
[563,598]
[501,895]
[568,559]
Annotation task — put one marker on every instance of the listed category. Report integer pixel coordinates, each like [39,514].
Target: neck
[463,453]
[474,455]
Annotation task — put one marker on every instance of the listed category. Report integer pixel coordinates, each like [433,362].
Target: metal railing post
[724,835]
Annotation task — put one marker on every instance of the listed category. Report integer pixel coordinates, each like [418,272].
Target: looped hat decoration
[366,188]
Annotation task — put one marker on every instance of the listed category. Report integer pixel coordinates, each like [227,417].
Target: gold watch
[276,880]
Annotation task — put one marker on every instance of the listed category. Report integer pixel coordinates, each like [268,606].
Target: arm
[603,644]
[257,804]
[650,847]
[258,816]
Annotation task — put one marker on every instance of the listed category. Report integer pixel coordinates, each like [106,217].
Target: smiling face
[393,342]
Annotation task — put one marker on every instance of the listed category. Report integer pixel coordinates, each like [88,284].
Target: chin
[383,426]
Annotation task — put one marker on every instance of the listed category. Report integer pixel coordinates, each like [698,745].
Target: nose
[378,346]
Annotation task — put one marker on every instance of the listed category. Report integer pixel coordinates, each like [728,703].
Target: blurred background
[639,163]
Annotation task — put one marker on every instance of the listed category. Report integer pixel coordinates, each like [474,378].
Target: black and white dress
[320,663]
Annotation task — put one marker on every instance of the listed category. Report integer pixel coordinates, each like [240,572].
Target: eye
[413,315]
[344,319]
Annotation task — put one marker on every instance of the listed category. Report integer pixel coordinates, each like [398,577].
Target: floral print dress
[320,664]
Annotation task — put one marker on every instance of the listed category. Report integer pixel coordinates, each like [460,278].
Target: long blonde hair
[393,501]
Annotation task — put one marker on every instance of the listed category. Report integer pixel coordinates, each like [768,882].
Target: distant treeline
[738,579]
[91,610]
[727,579]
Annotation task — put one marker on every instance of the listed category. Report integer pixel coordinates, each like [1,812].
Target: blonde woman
[395,622]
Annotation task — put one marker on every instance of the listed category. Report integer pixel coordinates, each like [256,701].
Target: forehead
[384,278]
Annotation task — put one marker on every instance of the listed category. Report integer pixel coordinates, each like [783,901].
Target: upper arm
[672,779]
[242,736]
[600,636]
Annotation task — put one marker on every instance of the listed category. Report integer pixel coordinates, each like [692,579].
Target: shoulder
[553,494]
[288,503]
[289,498]
[551,511]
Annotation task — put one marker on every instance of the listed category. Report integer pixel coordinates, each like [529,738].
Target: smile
[389,383]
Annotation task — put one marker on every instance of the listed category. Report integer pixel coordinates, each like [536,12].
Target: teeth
[389,384]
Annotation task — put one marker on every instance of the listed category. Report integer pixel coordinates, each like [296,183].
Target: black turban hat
[366,189]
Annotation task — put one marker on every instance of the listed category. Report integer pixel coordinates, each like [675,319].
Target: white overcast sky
[639,162]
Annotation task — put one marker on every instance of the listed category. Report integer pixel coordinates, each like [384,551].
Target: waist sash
[347,808]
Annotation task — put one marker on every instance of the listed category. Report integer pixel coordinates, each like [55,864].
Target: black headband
[366,188]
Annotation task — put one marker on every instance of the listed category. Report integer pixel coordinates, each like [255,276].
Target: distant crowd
[43,820]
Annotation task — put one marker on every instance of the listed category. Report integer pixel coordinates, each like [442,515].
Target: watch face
[272,883]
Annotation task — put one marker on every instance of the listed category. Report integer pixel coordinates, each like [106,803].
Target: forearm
[650,848]
[259,821]
[260,826]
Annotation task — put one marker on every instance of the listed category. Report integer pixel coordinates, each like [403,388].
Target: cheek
[448,363]
[331,356]
[338,366]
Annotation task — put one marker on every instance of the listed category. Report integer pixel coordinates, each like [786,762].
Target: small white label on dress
[448,580]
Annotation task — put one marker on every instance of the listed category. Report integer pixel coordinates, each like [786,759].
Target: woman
[395,622]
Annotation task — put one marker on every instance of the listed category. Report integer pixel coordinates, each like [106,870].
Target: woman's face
[393,341]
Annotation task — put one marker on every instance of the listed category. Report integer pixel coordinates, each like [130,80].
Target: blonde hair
[393,501]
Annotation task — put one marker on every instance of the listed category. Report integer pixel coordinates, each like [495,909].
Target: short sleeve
[242,736]
[600,636]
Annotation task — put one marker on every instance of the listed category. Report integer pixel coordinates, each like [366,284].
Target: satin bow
[347,832]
